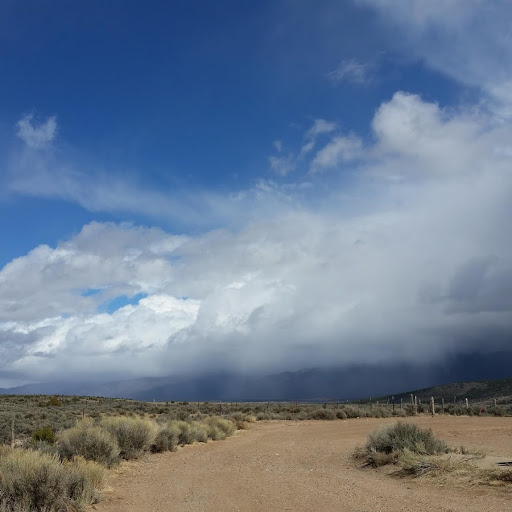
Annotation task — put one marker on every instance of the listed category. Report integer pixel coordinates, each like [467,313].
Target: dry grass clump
[35,481]
[414,464]
[134,435]
[386,445]
[89,441]
[499,476]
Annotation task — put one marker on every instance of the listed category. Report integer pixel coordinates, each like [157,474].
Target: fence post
[433,406]
[442,405]
[12,433]
[467,404]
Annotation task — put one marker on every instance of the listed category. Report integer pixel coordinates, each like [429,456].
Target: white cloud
[37,136]
[420,138]
[468,40]
[320,126]
[283,165]
[402,275]
[339,149]
[350,70]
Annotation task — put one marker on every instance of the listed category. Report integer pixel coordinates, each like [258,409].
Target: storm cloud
[405,259]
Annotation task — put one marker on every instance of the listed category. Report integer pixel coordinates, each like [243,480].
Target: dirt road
[304,467]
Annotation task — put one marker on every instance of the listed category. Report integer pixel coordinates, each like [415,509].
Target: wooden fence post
[433,406]
[12,433]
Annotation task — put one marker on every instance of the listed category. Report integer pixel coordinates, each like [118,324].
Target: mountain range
[346,383]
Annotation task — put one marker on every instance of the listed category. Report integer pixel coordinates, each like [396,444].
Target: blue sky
[173,143]
[187,95]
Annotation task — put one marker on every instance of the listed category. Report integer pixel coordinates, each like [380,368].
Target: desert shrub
[395,439]
[496,411]
[352,412]
[45,434]
[241,419]
[34,481]
[133,435]
[54,402]
[322,414]
[184,431]
[89,441]
[381,412]
[341,414]
[219,428]
[199,432]
[165,440]
[44,447]
[95,473]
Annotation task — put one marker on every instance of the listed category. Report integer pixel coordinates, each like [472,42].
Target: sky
[254,187]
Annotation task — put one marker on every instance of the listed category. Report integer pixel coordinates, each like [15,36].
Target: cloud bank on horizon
[390,244]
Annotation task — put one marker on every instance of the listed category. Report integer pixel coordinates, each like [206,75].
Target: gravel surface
[305,466]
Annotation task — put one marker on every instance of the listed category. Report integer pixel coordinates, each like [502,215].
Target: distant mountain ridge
[319,384]
[500,389]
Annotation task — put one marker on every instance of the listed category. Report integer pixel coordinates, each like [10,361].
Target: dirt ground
[304,467]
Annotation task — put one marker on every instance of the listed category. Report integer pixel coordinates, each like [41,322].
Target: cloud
[37,136]
[64,176]
[283,165]
[114,259]
[407,263]
[339,149]
[352,71]
[467,40]
[320,126]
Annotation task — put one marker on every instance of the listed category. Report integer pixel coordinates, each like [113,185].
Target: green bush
[133,435]
[35,481]
[89,441]
[45,434]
